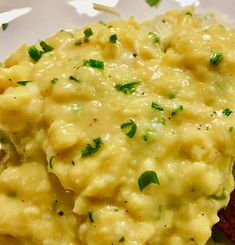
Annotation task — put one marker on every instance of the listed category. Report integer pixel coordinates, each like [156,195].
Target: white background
[38,19]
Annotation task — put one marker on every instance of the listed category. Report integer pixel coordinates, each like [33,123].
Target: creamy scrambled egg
[119,133]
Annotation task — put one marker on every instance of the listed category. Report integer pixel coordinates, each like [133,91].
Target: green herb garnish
[133,128]
[127,88]
[171,96]
[152,2]
[156,106]
[216,58]
[147,178]
[221,196]
[102,22]
[91,217]
[73,78]
[94,63]
[113,38]
[177,110]
[154,37]
[161,121]
[189,13]
[34,53]
[227,112]
[148,133]
[23,83]
[46,48]
[122,239]
[12,194]
[91,149]
[50,161]
[54,80]
[88,32]
[4,26]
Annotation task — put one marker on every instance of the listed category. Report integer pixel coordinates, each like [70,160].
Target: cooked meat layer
[227,219]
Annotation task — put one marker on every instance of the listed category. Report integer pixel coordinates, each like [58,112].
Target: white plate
[38,19]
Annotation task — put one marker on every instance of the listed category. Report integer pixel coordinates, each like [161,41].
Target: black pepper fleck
[61,213]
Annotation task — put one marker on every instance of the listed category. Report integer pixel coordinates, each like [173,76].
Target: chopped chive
[227,112]
[122,239]
[231,129]
[102,23]
[113,38]
[127,88]
[147,178]
[4,26]
[54,80]
[88,32]
[50,161]
[221,196]
[177,110]
[156,106]
[171,96]
[46,48]
[152,2]
[90,149]
[161,121]
[216,58]
[91,217]
[154,37]
[147,134]
[23,83]
[73,78]
[72,35]
[12,194]
[34,53]
[94,63]
[221,84]
[189,13]
[133,128]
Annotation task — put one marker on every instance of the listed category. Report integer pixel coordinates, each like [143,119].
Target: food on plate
[119,133]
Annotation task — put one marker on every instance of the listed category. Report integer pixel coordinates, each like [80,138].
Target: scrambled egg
[119,133]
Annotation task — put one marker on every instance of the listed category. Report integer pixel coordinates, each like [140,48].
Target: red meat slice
[227,219]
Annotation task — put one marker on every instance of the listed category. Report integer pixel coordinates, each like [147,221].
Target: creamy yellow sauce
[74,177]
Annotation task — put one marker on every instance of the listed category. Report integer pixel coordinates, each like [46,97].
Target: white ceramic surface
[31,20]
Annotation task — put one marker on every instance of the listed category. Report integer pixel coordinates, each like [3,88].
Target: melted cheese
[56,196]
